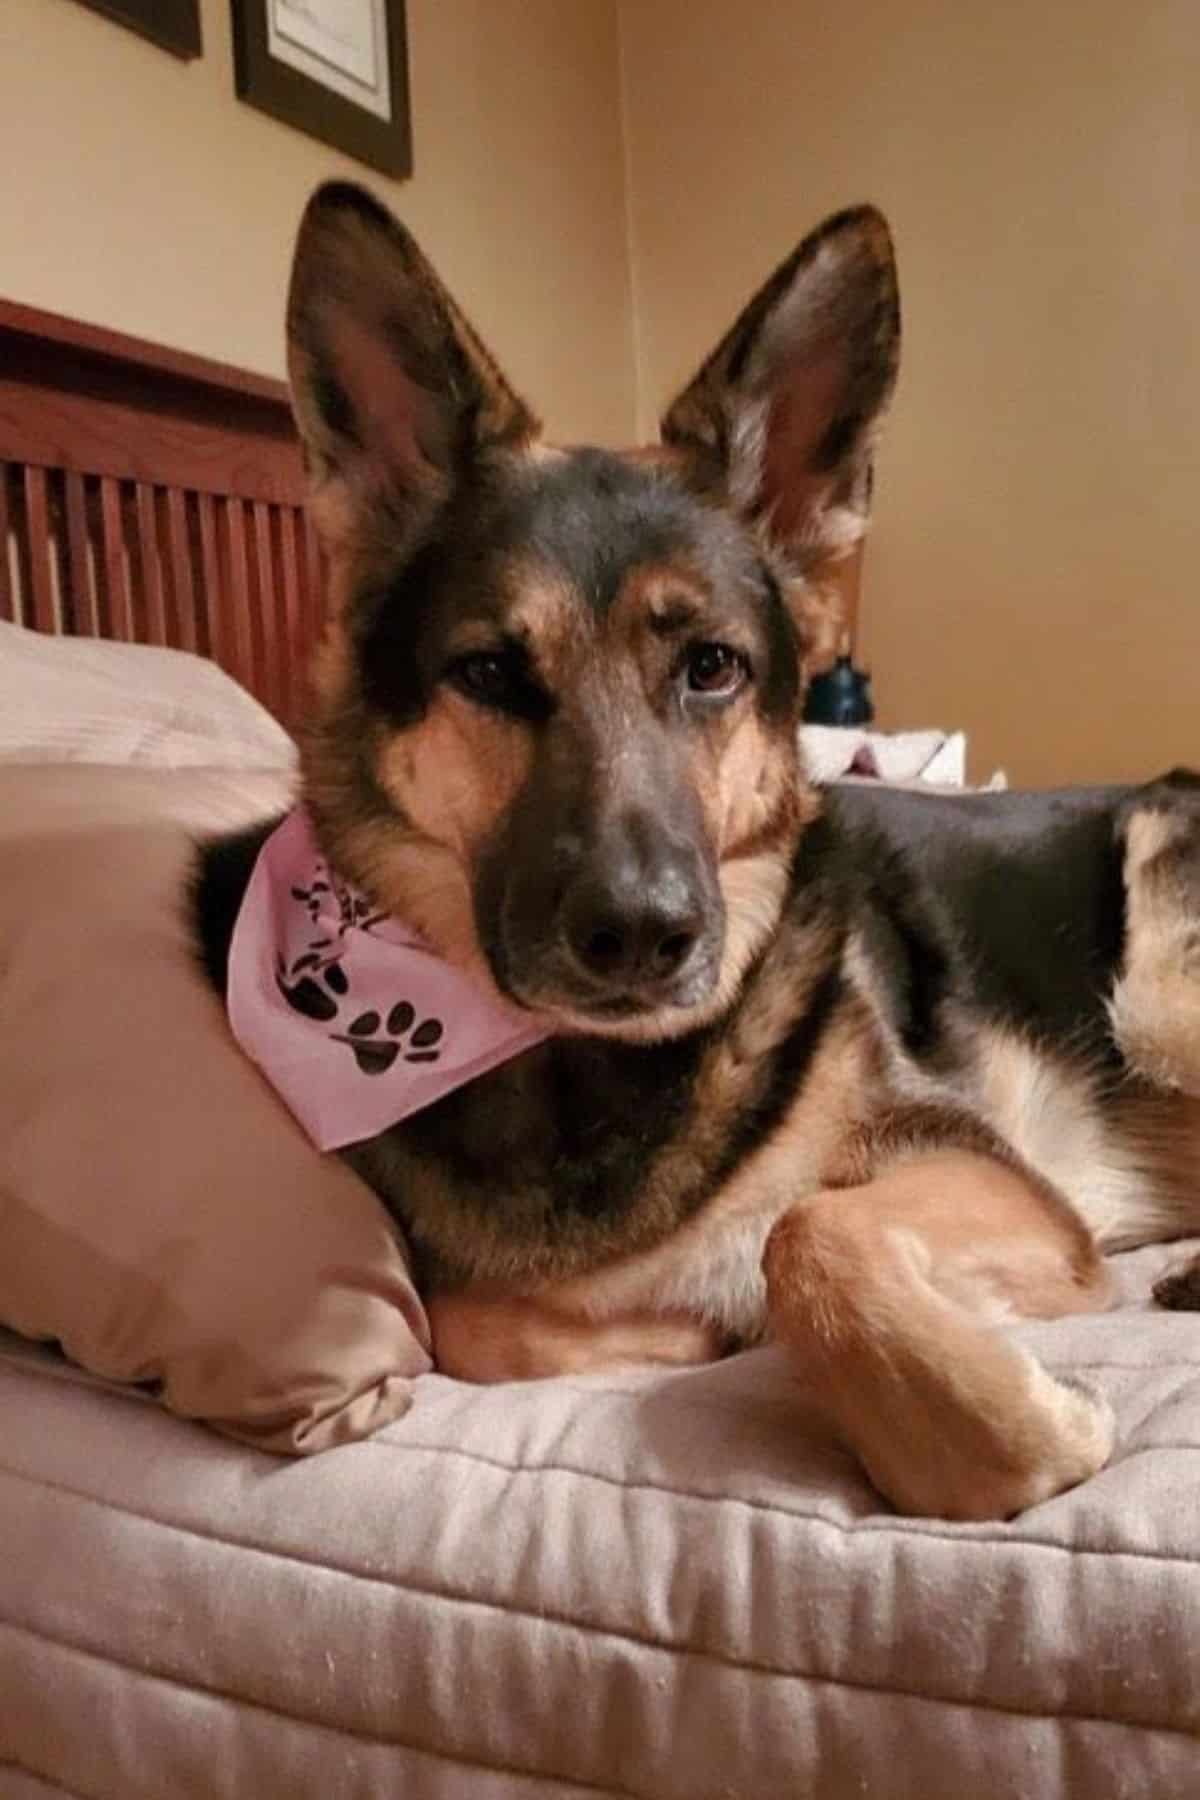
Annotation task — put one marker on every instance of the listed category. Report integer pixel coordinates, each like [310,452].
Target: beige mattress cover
[652,1585]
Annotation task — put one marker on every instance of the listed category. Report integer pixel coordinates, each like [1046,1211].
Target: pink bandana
[353,1019]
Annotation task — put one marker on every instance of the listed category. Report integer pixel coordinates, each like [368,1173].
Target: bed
[657,1586]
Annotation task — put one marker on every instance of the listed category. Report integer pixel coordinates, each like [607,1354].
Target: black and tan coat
[868,1072]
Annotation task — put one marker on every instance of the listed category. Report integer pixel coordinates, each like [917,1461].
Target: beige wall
[1035,568]
[150,199]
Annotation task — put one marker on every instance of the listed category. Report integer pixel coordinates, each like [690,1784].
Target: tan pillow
[161,1215]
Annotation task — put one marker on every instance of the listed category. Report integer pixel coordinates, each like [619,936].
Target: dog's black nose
[628,929]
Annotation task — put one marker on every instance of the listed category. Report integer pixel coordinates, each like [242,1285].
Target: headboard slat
[79,594]
[183,585]
[149,564]
[39,551]
[8,609]
[118,596]
[209,614]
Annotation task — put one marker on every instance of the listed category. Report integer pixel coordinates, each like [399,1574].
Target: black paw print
[314,987]
[375,1055]
[306,995]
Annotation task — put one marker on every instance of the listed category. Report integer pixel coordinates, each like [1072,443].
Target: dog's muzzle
[632,932]
[632,924]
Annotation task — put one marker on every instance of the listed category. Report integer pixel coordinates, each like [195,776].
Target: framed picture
[175,24]
[336,69]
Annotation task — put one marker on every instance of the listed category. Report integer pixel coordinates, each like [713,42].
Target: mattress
[662,1584]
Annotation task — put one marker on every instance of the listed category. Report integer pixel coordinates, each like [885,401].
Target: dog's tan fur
[1155,1006]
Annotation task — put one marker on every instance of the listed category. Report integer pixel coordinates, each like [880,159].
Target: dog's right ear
[783,416]
[394,394]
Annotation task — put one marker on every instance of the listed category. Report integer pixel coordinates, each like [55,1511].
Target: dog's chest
[710,1268]
[544,1167]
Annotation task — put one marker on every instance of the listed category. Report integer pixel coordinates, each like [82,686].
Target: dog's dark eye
[488,675]
[715,669]
[501,679]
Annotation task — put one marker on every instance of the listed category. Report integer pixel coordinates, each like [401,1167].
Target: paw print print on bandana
[305,993]
[316,993]
[402,1036]
[354,911]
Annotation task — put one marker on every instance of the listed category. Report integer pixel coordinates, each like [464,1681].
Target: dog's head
[556,707]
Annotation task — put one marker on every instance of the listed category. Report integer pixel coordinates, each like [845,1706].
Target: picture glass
[342,44]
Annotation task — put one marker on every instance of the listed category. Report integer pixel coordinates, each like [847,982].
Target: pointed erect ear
[394,395]
[783,415]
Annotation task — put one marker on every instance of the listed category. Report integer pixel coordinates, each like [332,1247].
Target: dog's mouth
[655,1007]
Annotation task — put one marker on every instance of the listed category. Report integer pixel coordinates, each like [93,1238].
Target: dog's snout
[612,916]
[635,921]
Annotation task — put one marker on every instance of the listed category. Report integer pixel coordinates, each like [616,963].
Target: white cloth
[87,700]
[928,758]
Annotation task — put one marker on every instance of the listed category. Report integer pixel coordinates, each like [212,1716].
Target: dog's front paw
[1055,1436]
[881,1307]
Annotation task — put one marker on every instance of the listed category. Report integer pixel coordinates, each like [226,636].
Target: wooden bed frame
[154,497]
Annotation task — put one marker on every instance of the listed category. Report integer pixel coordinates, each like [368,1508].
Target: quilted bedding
[659,1585]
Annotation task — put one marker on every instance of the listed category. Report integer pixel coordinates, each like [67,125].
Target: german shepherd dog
[866,1072]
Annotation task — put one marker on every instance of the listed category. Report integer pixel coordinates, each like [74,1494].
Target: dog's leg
[490,1337]
[1155,1006]
[888,1294]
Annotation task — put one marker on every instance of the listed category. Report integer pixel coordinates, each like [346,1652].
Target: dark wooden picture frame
[306,104]
[172,24]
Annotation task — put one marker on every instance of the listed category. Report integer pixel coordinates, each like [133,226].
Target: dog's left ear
[783,416]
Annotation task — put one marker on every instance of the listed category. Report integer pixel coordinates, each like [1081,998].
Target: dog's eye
[488,675]
[715,669]
[502,680]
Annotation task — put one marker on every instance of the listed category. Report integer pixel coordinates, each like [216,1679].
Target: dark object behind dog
[868,1071]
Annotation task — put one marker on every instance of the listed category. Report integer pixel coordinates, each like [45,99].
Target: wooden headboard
[154,497]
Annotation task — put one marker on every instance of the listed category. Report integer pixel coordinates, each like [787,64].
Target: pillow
[88,700]
[161,1215]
